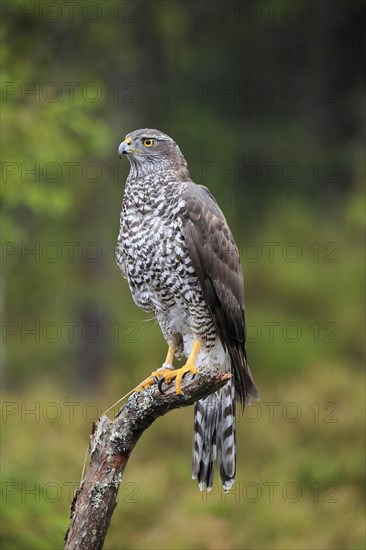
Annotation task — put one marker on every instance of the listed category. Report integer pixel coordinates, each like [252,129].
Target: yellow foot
[156,377]
[179,373]
[164,376]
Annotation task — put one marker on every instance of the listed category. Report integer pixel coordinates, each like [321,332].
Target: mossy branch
[111,444]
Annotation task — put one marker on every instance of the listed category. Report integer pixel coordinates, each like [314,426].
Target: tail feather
[214,428]
[227,437]
[206,422]
[214,437]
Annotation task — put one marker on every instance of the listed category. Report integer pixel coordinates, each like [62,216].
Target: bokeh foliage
[288,172]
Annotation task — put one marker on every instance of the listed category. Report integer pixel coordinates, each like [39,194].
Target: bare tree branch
[111,444]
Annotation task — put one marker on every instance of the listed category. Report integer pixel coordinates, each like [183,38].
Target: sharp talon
[160,383]
[166,373]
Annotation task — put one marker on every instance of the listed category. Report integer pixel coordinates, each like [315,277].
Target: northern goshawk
[181,262]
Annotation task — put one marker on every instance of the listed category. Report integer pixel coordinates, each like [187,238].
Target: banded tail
[214,437]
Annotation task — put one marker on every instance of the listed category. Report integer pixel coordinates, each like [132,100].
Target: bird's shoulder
[199,198]
[204,219]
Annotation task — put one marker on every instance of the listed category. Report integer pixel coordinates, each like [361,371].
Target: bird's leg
[168,363]
[158,375]
[190,366]
[166,374]
[178,374]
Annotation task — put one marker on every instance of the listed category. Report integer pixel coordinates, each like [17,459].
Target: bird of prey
[181,262]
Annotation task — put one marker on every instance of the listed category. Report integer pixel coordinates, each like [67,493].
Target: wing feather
[216,260]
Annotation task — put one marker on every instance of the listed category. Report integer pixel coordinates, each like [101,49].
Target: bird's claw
[160,383]
[166,374]
[157,377]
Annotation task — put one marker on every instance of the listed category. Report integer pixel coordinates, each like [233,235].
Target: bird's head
[149,149]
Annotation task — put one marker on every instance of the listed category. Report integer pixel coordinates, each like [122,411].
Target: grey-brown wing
[216,260]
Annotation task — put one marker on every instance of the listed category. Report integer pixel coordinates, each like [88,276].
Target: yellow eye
[148,142]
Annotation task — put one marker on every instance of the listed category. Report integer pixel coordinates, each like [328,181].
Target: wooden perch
[111,444]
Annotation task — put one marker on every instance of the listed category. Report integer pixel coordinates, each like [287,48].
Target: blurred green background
[266,100]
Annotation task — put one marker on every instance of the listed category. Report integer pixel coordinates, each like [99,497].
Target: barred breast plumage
[153,256]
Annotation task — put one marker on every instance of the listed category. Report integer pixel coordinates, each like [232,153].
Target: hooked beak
[124,148]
